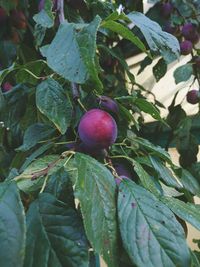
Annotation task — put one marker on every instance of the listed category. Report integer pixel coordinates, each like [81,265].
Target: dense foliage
[82,174]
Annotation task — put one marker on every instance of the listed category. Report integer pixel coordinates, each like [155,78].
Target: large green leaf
[12,227]
[150,232]
[95,189]
[183,73]
[186,211]
[52,101]
[75,48]
[159,41]
[35,133]
[55,235]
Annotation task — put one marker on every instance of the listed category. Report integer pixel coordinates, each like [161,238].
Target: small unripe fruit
[193,97]
[186,47]
[18,19]
[108,104]
[166,9]
[6,87]
[97,129]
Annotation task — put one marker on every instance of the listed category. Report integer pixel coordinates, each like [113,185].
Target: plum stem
[60,9]
[75,91]
[81,104]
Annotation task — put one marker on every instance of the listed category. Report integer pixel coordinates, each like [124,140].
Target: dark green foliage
[58,206]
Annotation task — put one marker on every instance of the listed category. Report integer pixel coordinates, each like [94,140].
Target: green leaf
[38,152]
[164,173]
[159,41]
[183,73]
[86,40]
[150,232]
[160,69]
[189,182]
[75,48]
[59,185]
[35,133]
[24,181]
[29,72]
[186,211]
[43,19]
[52,101]
[156,150]
[145,62]
[12,226]
[95,189]
[148,107]
[125,33]
[145,178]
[8,5]
[55,234]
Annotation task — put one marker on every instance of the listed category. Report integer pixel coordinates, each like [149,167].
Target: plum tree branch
[60,9]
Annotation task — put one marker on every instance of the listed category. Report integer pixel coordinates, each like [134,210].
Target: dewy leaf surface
[55,235]
[150,232]
[95,190]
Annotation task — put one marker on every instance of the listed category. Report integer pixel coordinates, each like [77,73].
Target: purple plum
[166,9]
[97,129]
[6,87]
[186,47]
[108,104]
[189,31]
[193,97]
